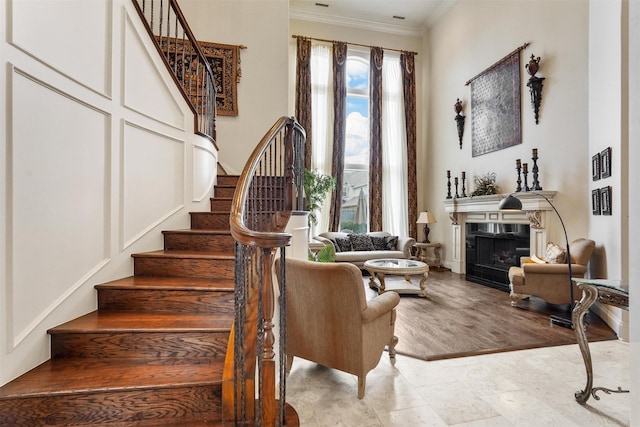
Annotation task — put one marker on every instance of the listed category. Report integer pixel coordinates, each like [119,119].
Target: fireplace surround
[484,210]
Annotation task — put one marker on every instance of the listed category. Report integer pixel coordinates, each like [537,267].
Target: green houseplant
[316,186]
[485,184]
[326,254]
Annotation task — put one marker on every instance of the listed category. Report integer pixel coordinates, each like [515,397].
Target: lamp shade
[510,203]
[426,218]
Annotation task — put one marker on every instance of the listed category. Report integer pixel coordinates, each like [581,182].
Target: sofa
[358,248]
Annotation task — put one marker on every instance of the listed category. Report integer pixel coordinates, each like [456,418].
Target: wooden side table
[422,253]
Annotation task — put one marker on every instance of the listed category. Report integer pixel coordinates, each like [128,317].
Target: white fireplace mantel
[484,209]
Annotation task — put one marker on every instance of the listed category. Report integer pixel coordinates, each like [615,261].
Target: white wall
[99,155]
[633,49]
[608,127]
[471,37]
[262,26]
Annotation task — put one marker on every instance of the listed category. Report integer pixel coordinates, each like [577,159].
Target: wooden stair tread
[209,231]
[82,375]
[169,283]
[185,254]
[106,321]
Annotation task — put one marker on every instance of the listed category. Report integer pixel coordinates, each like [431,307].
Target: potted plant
[326,254]
[485,185]
[316,187]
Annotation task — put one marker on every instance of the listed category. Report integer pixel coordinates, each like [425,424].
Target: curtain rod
[353,44]
[518,49]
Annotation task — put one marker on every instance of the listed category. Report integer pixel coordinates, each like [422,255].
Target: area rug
[460,318]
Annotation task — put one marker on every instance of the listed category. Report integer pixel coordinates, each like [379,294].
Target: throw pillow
[336,247]
[391,242]
[361,242]
[344,243]
[379,243]
[535,258]
[555,254]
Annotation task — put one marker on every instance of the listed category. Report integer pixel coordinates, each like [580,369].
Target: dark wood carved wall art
[224,60]
[605,200]
[595,201]
[457,107]
[495,106]
[595,167]
[535,85]
[605,159]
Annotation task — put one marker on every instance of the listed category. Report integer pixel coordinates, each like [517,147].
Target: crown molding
[438,13]
[362,24]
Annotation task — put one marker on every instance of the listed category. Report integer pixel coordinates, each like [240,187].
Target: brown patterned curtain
[407,60]
[339,126]
[303,93]
[375,139]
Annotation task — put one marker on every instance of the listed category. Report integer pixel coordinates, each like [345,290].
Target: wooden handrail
[268,191]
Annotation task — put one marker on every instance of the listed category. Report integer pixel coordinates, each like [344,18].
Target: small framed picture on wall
[595,167]
[605,162]
[605,200]
[595,201]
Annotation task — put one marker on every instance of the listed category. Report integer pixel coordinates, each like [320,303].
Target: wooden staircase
[153,352]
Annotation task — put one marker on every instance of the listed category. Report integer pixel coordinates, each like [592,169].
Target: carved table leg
[589,296]
[372,281]
[423,284]
[436,254]
[381,280]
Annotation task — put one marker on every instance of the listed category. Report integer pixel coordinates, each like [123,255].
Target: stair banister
[269,189]
[171,24]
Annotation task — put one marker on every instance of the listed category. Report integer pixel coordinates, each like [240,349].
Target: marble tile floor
[521,388]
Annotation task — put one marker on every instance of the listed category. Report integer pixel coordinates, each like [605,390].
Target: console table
[610,292]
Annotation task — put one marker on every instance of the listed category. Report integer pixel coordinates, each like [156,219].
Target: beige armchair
[550,281]
[329,320]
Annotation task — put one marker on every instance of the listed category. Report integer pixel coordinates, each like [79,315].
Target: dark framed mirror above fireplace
[491,249]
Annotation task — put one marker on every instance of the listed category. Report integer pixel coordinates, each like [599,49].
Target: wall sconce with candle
[457,107]
[534,84]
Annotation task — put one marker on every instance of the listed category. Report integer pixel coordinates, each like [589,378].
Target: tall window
[355,192]
[395,145]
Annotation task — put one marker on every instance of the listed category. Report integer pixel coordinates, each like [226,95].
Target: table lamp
[426,218]
[513,203]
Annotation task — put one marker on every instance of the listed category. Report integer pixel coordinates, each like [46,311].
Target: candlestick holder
[519,181]
[448,186]
[464,190]
[525,173]
[535,185]
[456,184]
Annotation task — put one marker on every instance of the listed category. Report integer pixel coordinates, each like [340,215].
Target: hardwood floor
[461,318]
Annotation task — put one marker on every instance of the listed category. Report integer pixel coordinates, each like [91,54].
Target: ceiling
[418,14]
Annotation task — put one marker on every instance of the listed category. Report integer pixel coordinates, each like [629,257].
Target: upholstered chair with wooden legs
[330,321]
[550,281]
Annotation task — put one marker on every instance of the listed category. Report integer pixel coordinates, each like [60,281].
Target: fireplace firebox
[491,249]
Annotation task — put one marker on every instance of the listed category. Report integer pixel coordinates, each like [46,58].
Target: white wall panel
[58,197]
[144,88]
[203,172]
[153,173]
[77,42]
